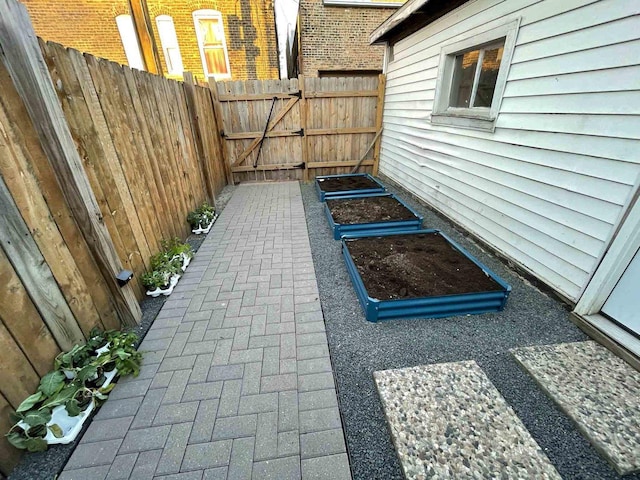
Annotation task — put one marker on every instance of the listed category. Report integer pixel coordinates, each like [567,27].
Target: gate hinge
[299,132]
[296,94]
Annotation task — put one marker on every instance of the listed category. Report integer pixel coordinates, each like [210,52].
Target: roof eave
[379,34]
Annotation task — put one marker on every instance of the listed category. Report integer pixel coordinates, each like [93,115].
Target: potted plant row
[167,267]
[82,379]
[202,218]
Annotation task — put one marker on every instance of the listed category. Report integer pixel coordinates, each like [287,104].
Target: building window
[169,42]
[213,46]
[471,78]
[130,41]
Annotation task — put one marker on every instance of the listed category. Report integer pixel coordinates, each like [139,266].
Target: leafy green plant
[201,216]
[155,279]
[32,418]
[175,247]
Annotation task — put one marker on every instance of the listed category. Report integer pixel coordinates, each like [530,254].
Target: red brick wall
[337,38]
[89,26]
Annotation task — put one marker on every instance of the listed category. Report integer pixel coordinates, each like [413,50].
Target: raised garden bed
[419,274]
[375,213]
[349,185]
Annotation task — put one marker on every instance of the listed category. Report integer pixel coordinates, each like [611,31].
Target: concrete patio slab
[599,391]
[448,421]
[236,379]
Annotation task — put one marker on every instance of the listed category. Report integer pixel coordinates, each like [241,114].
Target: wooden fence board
[24,188]
[18,379]
[35,274]
[20,316]
[9,456]
[22,56]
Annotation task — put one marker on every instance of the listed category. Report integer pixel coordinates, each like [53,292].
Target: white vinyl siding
[549,186]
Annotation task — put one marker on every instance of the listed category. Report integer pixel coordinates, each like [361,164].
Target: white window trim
[129,39]
[198,14]
[167,45]
[474,118]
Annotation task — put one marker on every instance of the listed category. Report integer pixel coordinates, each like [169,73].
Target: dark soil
[411,266]
[368,210]
[338,184]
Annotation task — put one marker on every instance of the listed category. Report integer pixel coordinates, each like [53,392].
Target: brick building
[235,39]
[334,36]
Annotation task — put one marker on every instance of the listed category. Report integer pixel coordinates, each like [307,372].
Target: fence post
[213,88]
[189,88]
[21,54]
[303,126]
[382,80]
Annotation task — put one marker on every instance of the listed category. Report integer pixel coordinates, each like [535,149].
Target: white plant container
[70,426]
[206,229]
[186,260]
[167,291]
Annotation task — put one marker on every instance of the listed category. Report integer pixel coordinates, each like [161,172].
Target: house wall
[550,185]
[89,26]
[337,38]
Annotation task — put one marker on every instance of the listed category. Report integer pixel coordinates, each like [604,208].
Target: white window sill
[464,121]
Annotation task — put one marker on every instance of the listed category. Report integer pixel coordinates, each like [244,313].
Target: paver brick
[264,341]
[258,325]
[119,408]
[226,372]
[200,369]
[288,443]
[314,365]
[174,449]
[266,445]
[312,351]
[130,389]
[287,411]
[230,398]
[176,413]
[94,454]
[241,462]
[288,365]
[177,363]
[122,466]
[331,467]
[200,347]
[309,317]
[235,427]
[315,381]
[287,345]
[176,347]
[278,383]
[223,350]
[207,455]
[161,380]
[150,438]
[241,338]
[325,442]
[246,356]
[310,327]
[219,473]
[322,419]
[176,387]
[251,379]
[287,468]
[317,399]
[90,473]
[109,429]
[317,338]
[204,422]
[264,402]
[148,409]
[195,475]
[146,465]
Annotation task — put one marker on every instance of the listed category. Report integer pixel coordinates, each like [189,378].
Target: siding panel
[548,187]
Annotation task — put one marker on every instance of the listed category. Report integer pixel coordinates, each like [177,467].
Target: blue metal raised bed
[358,229]
[425,307]
[323,195]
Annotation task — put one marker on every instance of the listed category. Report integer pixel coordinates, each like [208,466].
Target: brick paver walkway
[237,380]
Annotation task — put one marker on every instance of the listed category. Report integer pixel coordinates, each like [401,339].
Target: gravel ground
[358,348]
[48,464]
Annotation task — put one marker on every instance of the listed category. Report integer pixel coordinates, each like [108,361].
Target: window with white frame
[212,43]
[471,78]
[130,41]
[169,42]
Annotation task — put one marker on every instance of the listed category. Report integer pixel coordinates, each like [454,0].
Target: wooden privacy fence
[311,126]
[98,164]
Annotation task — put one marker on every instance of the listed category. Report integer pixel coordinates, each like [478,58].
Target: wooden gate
[300,128]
